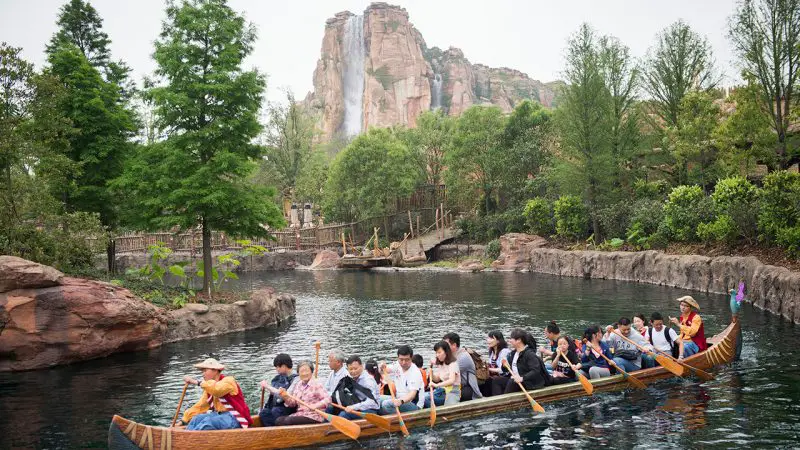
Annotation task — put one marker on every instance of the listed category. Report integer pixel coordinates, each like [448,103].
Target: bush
[789,238]
[737,198]
[482,229]
[571,217]
[686,208]
[539,216]
[649,214]
[653,190]
[780,204]
[493,249]
[615,219]
[721,230]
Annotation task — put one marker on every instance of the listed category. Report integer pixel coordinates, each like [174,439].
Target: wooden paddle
[631,379]
[378,421]
[433,404]
[262,399]
[587,385]
[673,365]
[662,360]
[396,408]
[180,402]
[317,346]
[537,408]
[346,427]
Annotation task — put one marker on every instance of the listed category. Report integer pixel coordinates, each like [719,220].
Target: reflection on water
[754,402]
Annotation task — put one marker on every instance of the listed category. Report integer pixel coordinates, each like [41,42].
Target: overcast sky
[526,35]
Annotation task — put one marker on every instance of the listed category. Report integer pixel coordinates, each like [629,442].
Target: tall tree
[693,142]
[80,25]
[766,37]
[584,119]
[288,140]
[478,160]
[681,61]
[208,106]
[527,139]
[622,78]
[430,140]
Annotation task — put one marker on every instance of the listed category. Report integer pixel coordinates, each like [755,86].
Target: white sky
[526,35]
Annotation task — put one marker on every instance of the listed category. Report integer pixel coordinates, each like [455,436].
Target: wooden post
[436,221]
[441,207]
[344,246]
[418,229]
[411,225]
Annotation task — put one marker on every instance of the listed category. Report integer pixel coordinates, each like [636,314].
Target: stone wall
[47,319]
[775,289]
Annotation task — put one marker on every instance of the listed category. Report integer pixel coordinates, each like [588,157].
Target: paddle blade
[433,417]
[671,365]
[537,407]
[636,382]
[380,422]
[702,374]
[587,385]
[348,428]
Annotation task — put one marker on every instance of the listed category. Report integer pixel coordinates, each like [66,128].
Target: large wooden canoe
[126,434]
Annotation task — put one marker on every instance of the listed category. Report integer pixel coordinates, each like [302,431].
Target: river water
[753,403]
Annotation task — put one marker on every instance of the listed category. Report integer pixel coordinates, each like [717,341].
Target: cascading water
[436,92]
[353,78]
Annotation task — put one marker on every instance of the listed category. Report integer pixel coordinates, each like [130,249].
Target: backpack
[481,369]
[345,392]
[675,349]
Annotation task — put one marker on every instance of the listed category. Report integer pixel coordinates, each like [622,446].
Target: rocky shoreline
[47,319]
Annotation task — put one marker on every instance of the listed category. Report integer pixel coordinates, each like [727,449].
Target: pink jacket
[314,394]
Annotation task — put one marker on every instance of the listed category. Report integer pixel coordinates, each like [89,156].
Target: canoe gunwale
[722,351]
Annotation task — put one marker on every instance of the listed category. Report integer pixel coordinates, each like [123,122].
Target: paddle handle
[631,342]
[318,411]
[180,402]
[317,346]
[519,383]
[397,408]
[262,398]
[433,403]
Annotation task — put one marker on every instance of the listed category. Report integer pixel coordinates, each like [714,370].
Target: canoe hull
[126,434]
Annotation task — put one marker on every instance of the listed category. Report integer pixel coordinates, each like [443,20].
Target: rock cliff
[375,69]
[47,319]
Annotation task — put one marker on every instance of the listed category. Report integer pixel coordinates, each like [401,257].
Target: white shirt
[334,378]
[660,341]
[407,381]
[514,361]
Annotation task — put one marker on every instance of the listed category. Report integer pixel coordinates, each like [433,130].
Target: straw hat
[689,301]
[210,363]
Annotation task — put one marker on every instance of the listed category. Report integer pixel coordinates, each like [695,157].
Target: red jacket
[699,338]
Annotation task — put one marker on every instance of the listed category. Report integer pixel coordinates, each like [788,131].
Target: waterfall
[436,92]
[353,77]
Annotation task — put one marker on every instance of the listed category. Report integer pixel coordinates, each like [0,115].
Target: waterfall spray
[353,77]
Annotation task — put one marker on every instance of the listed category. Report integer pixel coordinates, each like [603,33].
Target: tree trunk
[111,254]
[207,263]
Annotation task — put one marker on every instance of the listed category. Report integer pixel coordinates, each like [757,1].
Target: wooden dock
[410,247]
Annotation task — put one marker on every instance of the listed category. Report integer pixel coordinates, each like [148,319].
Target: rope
[166,439]
[147,438]
[131,431]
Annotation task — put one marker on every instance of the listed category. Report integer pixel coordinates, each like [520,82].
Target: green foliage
[654,190]
[723,229]
[789,238]
[493,249]
[615,218]
[486,228]
[780,204]
[539,216]
[430,141]
[738,199]
[746,137]
[368,174]
[692,142]
[571,217]
[686,208]
[157,265]
[200,174]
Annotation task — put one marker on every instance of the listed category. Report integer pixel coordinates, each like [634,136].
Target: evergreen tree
[209,107]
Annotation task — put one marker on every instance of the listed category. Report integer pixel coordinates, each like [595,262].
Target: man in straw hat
[221,405]
[693,336]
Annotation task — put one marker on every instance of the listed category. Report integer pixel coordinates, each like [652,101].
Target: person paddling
[221,405]
[693,336]
[526,366]
[565,361]
[309,390]
[358,393]
[593,365]
[275,407]
[662,337]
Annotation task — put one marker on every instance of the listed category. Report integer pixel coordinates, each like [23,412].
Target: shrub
[653,190]
[539,216]
[615,219]
[571,217]
[721,230]
[780,204]
[493,249]
[789,238]
[738,199]
[649,214]
[686,208]
[490,227]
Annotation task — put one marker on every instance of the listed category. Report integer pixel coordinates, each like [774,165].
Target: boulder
[263,308]
[73,321]
[471,265]
[18,273]
[325,259]
[515,251]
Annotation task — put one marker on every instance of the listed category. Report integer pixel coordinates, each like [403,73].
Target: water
[436,92]
[353,77]
[754,403]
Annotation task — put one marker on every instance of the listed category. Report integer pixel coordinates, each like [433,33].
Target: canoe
[126,434]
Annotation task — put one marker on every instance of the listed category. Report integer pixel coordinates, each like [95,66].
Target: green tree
[528,142]
[209,106]
[584,123]
[310,184]
[368,174]
[680,62]
[477,161]
[746,136]
[288,140]
[622,78]
[766,36]
[692,140]
[431,139]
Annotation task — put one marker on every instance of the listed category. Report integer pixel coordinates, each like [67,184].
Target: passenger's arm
[691,330]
